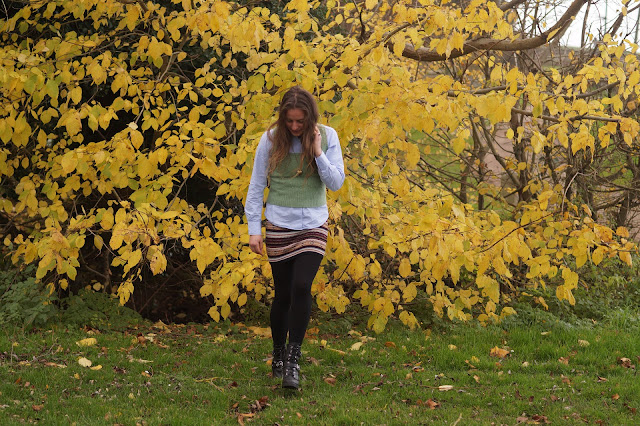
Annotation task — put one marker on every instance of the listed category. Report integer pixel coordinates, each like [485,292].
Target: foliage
[609,293]
[118,116]
[191,374]
[97,310]
[22,301]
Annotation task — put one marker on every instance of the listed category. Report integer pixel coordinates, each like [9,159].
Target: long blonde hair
[294,98]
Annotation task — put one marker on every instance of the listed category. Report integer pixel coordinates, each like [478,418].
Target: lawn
[220,374]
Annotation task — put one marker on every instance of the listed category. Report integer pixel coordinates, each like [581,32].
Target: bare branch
[485,43]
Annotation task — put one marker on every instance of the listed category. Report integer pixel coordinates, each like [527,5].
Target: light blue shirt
[331,171]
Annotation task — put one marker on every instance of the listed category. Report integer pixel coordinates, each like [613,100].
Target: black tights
[291,308]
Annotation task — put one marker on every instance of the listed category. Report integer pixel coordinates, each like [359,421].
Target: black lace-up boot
[291,377]
[277,363]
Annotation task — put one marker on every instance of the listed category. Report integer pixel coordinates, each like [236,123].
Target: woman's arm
[255,193]
[330,164]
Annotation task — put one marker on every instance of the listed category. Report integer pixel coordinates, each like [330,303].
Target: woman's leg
[282,276]
[303,270]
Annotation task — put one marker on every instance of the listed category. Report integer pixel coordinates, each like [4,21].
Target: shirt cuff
[322,161]
[255,228]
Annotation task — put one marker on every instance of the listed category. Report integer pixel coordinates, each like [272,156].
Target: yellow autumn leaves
[103,135]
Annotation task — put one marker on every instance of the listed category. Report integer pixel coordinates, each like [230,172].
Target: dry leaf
[84,362]
[583,343]
[625,362]
[37,407]
[564,360]
[428,403]
[432,404]
[540,419]
[498,352]
[452,347]
[53,364]
[90,341]
[162,326]
[356,346]
[445,388]
[96,367]
[390,344]
[615,397]
[260,331]
[601,379]
[330,380]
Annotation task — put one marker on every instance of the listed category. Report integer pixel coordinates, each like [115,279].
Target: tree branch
[485,43]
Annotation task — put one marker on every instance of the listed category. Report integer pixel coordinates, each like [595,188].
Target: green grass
[219,374]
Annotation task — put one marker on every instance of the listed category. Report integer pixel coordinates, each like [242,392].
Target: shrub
[24,302]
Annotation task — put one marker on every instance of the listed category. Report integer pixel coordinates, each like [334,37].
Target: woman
[297,158]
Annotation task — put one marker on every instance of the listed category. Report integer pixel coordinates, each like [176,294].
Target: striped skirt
[283,243]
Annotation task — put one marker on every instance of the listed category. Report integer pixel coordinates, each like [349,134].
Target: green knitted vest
[290,186]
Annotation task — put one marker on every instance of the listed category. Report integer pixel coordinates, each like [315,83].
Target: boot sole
[291,385]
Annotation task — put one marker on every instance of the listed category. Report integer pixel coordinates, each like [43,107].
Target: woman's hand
[317,142]
[255,243]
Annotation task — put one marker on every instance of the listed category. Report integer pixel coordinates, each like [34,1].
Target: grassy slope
[220,375]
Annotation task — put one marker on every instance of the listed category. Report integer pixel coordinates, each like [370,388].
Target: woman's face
[294,119]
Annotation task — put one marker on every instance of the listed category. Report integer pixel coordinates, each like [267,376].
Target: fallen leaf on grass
[429,403]
[390,344]
[626,363]
[87,342]
[445,388]
[84,362]
[601,379]
[37,407]
[522,419]
[330,381]
[243,416]
[615,397]
[540,419]
[53,364]
[141,361]
[96,367]
[583,343]
[356,346]
[498,352]
[452,347]
[260,404]
[161,326]
[260,331]
[564,360]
